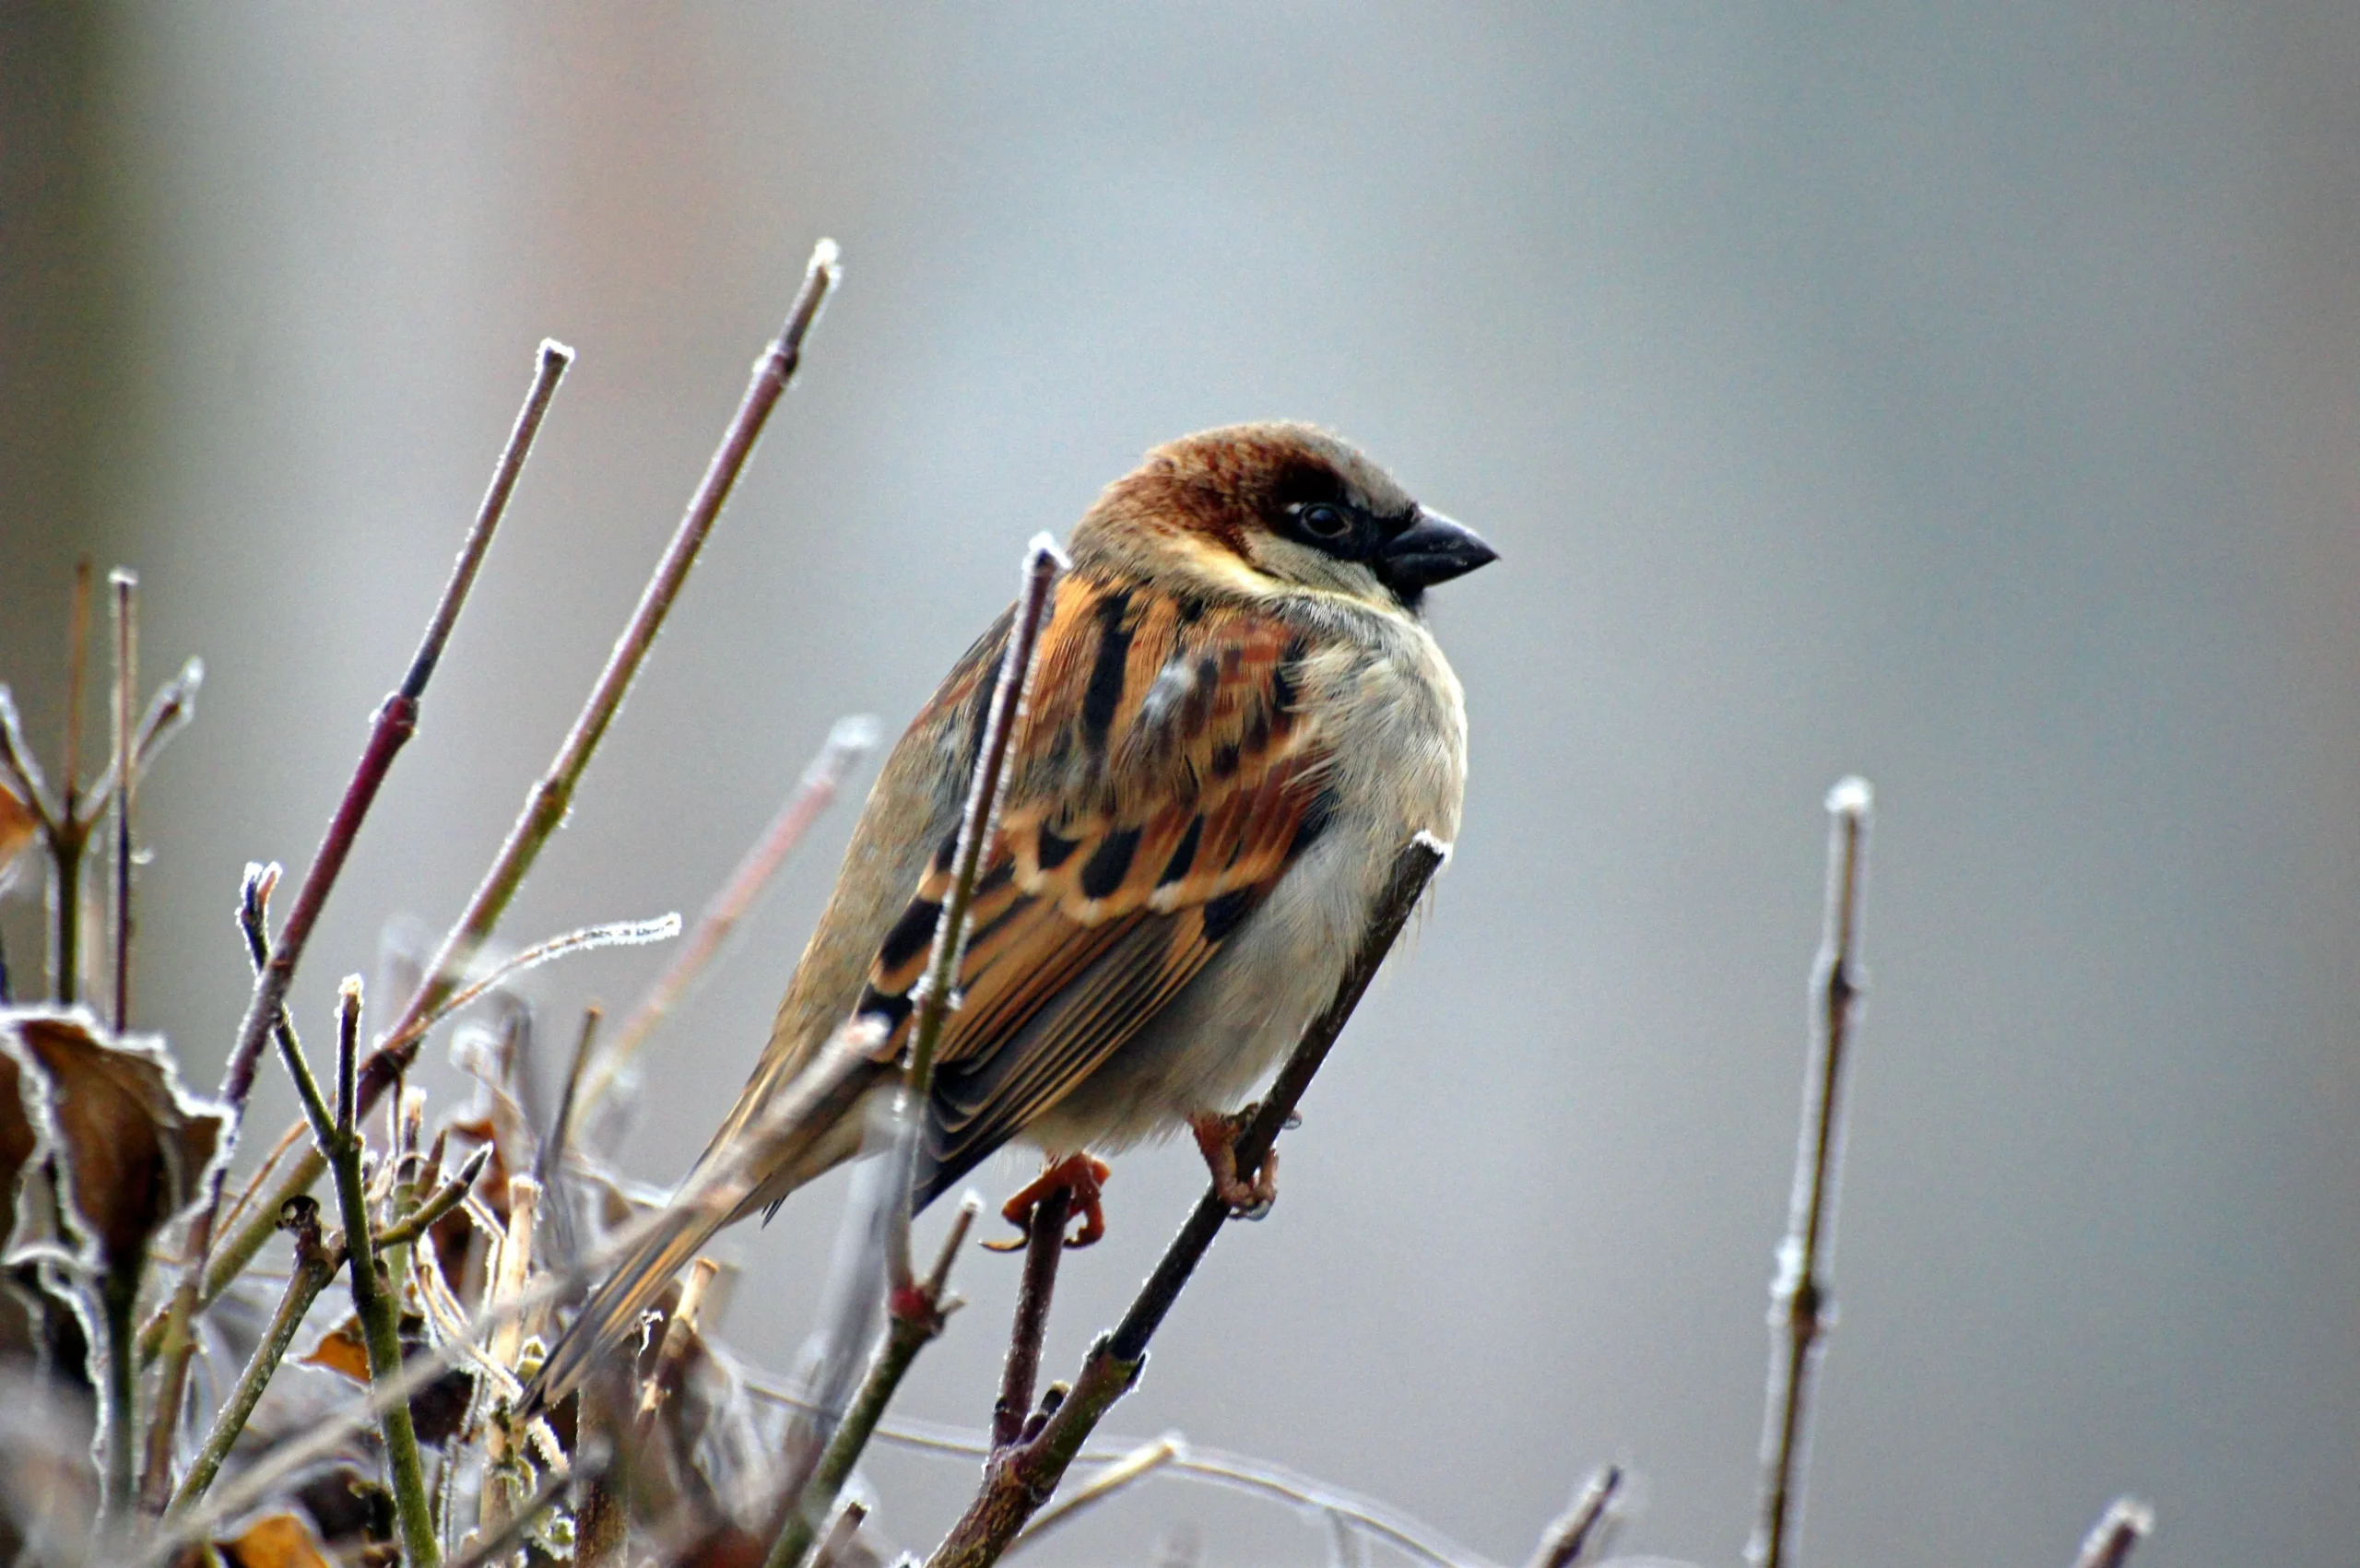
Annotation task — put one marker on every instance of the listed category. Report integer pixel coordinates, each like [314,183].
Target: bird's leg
[1081,1178]
[1217,1140]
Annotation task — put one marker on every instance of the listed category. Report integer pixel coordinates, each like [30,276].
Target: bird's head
[1271,509]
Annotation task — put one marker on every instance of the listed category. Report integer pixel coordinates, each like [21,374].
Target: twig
[167,713]
[1577,1535]
[937,990]
[846,744]
[453,1191]
[1044,1243]
[1018,1483]
[613,934]
[1136,1466]
[71,832]
[1800,1304]
[2126,1523]
[126,681]
[396,720]
[373,1298]
[841,1529]
[16,758]
[913,1318]
[315,1264]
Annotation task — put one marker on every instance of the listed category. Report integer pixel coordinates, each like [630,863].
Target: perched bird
[1236,719]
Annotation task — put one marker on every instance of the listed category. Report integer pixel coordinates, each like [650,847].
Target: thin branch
[614,933]
[70,831]
[937,990]
[914,1319]
[849,740]
[2126,1523]
[841,1530]
[1044,1243]
[315,1264]
[453,1191]
[374,1301]
[1800,1301]
[1579,1533]
[125,584]
[24,773]
[1134,1467]
[396,720]
[1018,1483]
[168,713]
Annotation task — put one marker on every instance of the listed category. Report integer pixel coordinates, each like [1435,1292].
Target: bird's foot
[1081,1178]
[1217,1140]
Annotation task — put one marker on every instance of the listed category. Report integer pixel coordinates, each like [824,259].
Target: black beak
[1432,549]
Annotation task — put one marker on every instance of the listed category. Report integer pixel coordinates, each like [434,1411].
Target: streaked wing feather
[1161,779]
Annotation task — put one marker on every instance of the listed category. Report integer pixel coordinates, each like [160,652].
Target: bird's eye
[1324,521]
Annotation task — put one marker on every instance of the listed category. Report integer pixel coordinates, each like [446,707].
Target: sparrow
[1236,718]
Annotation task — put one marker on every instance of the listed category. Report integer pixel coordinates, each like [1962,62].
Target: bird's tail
[793,1136]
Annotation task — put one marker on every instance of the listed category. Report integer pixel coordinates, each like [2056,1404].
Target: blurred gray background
[1965,396]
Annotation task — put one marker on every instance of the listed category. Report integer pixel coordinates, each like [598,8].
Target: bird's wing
[1165,775]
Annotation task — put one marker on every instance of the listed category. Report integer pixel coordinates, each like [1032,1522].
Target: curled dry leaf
[132,1146]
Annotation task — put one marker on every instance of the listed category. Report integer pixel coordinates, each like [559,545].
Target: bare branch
[1801,1300]
[125,584]
[2126,1523]
[1578,1535]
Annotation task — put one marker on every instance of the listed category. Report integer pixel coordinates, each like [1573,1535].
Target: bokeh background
[1963,395]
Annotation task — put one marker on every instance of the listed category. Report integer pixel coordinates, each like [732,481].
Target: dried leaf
[17,1140]
[131,1144]
[276,1540]
[341,1351]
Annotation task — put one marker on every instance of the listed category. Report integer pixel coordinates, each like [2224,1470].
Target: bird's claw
[1217,1140]
[1082,1179]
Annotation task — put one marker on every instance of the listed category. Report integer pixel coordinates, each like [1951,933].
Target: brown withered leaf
[276,1540]
[130,1143]
[340,1351]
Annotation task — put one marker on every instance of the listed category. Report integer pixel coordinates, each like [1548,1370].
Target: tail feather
[804,1129]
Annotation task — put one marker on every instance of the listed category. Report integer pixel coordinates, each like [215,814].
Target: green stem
[315,1264]
[119,1297]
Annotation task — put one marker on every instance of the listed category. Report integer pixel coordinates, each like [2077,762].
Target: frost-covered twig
[1578,1534]
[1800,1295]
